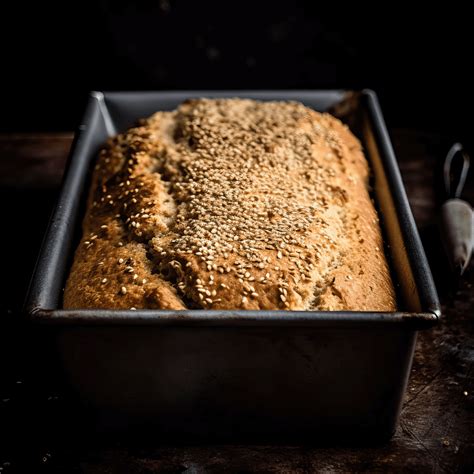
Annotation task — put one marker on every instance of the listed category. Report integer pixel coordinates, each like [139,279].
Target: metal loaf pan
[239,374]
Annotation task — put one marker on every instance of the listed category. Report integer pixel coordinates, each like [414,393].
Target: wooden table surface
[42,432]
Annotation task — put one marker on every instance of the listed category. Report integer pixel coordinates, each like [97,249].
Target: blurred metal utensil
[456,223]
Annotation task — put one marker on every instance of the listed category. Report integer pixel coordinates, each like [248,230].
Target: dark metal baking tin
[234,374]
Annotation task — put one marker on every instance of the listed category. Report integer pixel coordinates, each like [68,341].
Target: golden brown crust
[227,204]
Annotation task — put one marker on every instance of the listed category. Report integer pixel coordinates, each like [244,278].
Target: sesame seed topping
[243,185]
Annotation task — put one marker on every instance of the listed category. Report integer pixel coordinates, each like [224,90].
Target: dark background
[417,59]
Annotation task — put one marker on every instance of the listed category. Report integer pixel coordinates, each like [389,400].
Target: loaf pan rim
[230,318]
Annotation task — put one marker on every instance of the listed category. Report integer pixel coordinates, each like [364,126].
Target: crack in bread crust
[227,204]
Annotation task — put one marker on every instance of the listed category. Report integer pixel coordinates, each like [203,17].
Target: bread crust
[232,204]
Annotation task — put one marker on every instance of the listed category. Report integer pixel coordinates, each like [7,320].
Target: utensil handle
[456,149]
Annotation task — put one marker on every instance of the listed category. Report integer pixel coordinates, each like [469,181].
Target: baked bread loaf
[232,204]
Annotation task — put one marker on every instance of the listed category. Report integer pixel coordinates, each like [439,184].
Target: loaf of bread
[232,204]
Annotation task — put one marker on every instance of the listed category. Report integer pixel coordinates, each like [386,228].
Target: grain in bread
[232,204]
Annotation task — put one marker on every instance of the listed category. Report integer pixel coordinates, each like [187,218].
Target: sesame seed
[123,290]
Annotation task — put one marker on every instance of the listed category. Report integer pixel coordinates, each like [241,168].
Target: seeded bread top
[231,203]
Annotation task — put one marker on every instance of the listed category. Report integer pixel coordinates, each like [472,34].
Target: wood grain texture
[436,431]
